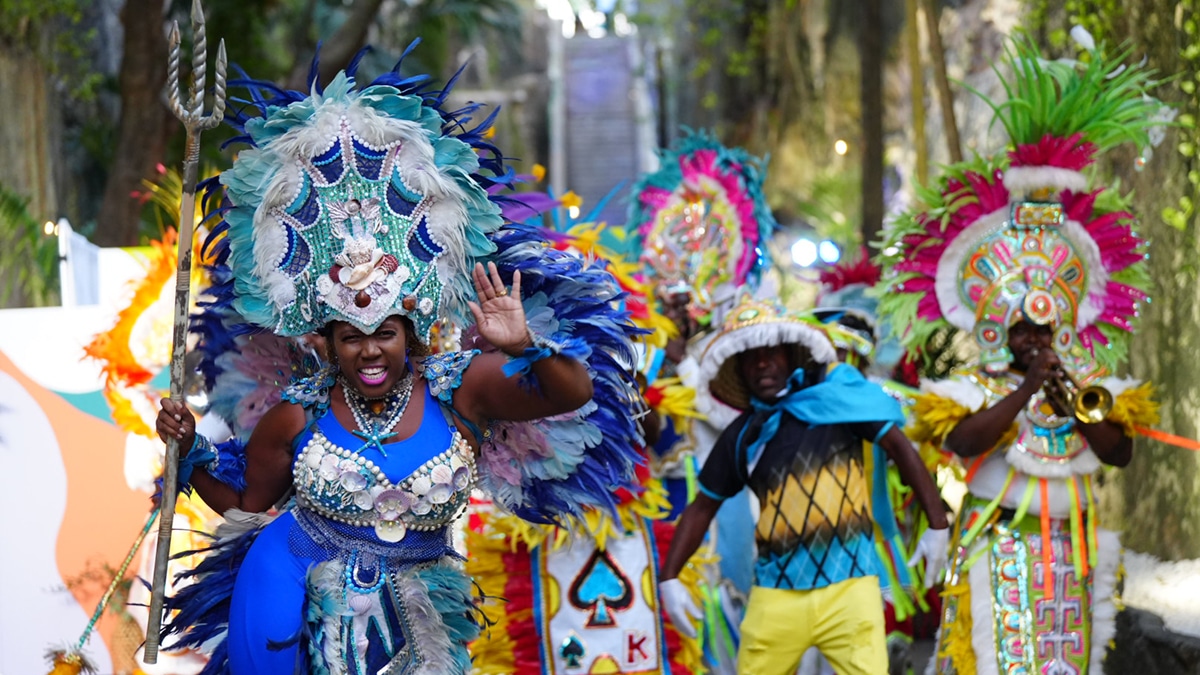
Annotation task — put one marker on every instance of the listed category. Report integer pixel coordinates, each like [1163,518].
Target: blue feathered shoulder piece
[548,469]
[244,369]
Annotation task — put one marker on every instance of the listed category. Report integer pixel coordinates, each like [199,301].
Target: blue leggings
[268,604]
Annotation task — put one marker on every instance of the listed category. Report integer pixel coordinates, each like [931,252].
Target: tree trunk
[30,133]
[941,79]
[871,91]
[916,74]
[1160,485]
[146,123]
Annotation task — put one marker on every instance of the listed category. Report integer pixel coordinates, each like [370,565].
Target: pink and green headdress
[1023,236]
[701,221]
[355,204]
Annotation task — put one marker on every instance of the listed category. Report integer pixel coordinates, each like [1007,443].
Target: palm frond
[28,257]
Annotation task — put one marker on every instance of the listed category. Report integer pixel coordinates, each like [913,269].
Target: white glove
[933,548]
[678,603]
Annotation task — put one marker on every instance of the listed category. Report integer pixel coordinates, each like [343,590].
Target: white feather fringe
[727,345]
[1104,608]
[1023,179]
[429,635]
[1120,385]
[959,313]
[325,589]
[238,522]
[959,389]
[1092,304]
[1082,464]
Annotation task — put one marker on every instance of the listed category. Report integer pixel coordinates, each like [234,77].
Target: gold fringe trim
[934,418]
[956,636]
[1135,408]
[492,653]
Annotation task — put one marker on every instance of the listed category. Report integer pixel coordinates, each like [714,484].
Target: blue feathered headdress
[355,204]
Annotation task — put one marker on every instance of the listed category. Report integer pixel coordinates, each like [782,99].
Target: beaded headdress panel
[355,205]
[1022,236]
[702,221]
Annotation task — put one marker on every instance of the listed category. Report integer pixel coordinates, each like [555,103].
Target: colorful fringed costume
[356,205]
[702,223]
[1022,239]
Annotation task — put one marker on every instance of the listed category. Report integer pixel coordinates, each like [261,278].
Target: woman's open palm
[499,316]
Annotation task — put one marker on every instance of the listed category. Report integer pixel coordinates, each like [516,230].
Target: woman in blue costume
[357,215]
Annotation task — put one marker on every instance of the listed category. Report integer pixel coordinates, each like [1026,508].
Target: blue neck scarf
[843,397]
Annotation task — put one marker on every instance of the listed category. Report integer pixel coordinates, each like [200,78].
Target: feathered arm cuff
[543,348]
[230,467]
[936,416]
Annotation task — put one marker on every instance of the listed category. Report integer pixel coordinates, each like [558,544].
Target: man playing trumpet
[1045,272]
[1031,578]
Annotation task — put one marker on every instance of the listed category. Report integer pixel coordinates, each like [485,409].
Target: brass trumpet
[1090,404]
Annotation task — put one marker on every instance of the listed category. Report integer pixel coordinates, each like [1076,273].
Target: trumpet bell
[1092,404]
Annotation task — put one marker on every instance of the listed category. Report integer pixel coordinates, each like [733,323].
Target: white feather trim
[983,630]
[429,635]
[1104,586]
[238,522]
[1092,304]
[715,412]
[325,590]
[1082,464]
[958,389]
[960,312]
[269,248]
[1120,385]
[727,345]
[1021,179]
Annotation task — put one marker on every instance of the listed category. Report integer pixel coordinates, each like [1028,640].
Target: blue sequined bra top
[411,487]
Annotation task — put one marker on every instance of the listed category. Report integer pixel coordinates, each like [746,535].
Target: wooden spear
[191,113]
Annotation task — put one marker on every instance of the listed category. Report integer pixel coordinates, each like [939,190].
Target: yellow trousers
[844,621]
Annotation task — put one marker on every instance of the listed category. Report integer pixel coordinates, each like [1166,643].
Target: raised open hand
[499,315]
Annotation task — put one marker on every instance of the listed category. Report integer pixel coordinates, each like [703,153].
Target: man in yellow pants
[798,446]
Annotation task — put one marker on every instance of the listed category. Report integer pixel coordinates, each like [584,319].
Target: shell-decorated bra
[342,485]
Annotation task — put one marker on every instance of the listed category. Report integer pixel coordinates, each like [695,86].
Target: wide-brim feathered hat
[750,325]
[1022,237]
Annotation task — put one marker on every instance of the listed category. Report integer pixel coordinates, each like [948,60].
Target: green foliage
[832,205]
[51,29]
[28,258]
